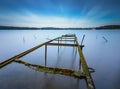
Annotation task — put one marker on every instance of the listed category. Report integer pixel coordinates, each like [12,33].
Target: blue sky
[59,13]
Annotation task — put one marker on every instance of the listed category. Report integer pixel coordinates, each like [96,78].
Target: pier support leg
[82,39]
[45,55]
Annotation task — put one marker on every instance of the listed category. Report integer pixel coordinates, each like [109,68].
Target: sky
[59,13]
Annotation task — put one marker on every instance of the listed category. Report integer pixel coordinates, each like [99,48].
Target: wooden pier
[83,71]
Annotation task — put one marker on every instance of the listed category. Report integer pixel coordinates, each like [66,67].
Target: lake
[101,51]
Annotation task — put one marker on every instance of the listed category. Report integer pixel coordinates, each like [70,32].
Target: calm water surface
[102,55]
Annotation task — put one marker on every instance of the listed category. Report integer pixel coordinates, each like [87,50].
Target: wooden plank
[65,40]
[67,72]
[68,35]
[89,80]
[61,44]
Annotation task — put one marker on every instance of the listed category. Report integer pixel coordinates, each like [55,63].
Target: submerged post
[45,55]
[82,40]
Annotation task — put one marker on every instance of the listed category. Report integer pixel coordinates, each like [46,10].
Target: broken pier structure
[82,72]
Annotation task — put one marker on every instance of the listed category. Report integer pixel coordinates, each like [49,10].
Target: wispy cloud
[34,20]
[91,17]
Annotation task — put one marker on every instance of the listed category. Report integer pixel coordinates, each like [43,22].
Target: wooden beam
[61,44]
[89,80]
[64,40]
[67,38]
[67,72]
[45,55]
[68,35]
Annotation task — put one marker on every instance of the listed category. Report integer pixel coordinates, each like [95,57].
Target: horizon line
[57,27]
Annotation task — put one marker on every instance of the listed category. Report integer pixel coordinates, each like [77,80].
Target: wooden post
[45,55]
[82,39]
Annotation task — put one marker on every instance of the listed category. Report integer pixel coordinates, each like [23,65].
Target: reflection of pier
[83,71]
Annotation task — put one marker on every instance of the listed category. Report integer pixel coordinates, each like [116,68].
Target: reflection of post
[61,41]
[79,65]
[74,44]
[23,39]
[45,54]
[77,84]
[74,41]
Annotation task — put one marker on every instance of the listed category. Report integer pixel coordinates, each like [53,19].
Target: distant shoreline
[106,27]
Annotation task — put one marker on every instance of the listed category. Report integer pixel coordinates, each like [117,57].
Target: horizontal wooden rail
[67,38]
[64,40]
[61,44]
[68,35]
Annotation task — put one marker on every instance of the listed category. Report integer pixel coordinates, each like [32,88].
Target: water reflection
[23,39]
[73,58]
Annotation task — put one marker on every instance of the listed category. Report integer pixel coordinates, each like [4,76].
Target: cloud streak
[34,20]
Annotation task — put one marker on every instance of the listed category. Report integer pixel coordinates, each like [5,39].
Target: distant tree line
[54,28]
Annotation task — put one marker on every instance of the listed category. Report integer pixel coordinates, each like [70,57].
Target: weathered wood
[89,80]
[65,40]
[61,44]
[67,72]
[68,35]
[82,39]
[45,55]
